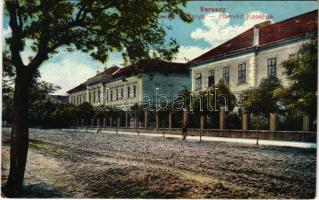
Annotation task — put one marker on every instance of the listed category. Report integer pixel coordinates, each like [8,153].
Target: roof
[268,33]
[152,65]
[78,88]
[108,72]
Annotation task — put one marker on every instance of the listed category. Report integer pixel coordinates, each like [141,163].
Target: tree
[261,100]
[302,73]
[94,27]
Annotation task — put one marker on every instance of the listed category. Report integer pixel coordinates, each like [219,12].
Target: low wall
[300,136]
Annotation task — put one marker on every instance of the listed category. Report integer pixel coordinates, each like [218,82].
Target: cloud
[189,52]
[67,73]
[219,29]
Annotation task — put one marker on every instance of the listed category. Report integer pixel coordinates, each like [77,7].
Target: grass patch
[47,147]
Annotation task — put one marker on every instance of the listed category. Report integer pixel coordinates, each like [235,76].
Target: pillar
[136,121]
[118,121]
[104,122]
[126,119]
[221,118]
[202,124]
[185,118]
[146,114]
[246,120]
[157,119]
[98,122]
[273,122]
[305,122]
[111,121]
[170,120]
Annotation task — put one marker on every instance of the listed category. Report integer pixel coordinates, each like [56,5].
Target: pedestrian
[184,132]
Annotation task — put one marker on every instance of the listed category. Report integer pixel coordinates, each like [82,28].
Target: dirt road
[74,164]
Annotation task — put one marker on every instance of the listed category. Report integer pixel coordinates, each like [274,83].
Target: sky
[210,28]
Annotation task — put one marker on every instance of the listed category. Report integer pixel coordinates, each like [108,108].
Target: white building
[134,84]
[254,54]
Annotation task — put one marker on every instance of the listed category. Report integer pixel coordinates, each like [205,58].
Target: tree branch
[16,43]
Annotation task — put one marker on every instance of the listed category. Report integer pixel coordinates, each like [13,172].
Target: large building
[254,54]
[124,87]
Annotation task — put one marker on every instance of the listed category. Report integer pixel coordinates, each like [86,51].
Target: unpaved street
[78,164]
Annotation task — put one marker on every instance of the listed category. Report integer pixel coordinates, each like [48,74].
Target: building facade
[243,61]
[134,84]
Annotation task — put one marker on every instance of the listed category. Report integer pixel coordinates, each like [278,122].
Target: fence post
[136,124]
[111,121]
[221,118]
[146,113]
[273,121]
[246,120]
[117,122]
[169,121]
[157,120]
[201,126]
[126,119]
[104,122]
[185,117]
[305,122]
[97,122]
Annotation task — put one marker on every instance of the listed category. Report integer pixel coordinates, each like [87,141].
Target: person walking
[184,132]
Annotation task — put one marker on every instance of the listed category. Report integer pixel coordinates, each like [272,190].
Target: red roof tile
[241,41]
[78,88]
[287,29]
[153,65]
[292,27]
[106,73]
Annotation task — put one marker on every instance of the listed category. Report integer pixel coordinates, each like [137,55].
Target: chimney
[97,71]
[256,31]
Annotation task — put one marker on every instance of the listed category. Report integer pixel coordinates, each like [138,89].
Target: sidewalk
[216,139]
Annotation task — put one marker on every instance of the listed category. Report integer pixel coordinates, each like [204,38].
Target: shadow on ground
[42,190]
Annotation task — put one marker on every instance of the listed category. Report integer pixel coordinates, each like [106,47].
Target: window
[271,67]
[89,97]
[128,91]
[134,90]
[211,78]
[107,95]
[242,73]
[94,97]
[122,93]
[117,94]
[226,75]
[198,82]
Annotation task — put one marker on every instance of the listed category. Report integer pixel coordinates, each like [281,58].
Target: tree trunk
[19,134]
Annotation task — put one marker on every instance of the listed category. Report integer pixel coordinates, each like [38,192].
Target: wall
[124,101]
[77,98]
[232,63]
[281,53]
[169,85]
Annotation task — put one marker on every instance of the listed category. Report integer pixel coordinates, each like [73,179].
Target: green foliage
[94,27]
[220,94]
[86,111]
[302,73]
[261,100]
